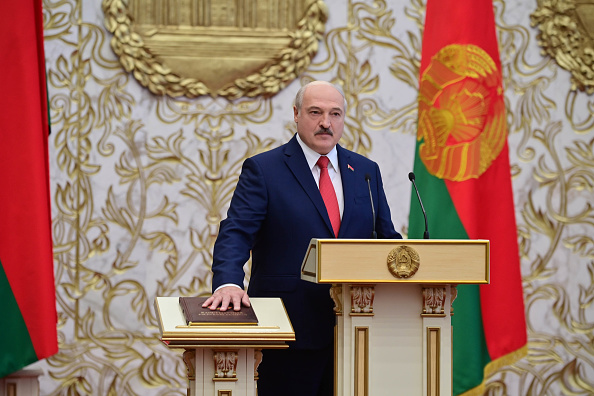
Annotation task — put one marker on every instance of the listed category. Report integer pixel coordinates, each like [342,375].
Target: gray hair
[299,97]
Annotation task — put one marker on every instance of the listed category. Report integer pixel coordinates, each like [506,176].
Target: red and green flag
[463,173]
[27,292]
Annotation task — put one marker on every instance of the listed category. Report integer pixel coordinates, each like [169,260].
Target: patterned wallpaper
[140,180]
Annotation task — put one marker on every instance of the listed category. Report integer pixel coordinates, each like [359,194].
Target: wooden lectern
[393,302]
[223,360]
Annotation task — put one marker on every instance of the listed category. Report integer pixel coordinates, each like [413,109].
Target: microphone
[368,179]
[411,177]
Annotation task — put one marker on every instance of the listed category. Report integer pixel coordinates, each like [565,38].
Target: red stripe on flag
[484,205]
[25,217]
[486,209]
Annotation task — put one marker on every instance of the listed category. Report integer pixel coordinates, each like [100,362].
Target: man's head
[319,112]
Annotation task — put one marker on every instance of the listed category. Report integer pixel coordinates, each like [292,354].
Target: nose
[325,122]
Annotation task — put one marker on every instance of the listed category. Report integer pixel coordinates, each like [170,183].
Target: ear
[295,113]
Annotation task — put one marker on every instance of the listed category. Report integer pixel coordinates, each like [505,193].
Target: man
[275,211]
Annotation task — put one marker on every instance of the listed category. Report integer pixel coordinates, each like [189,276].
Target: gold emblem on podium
[403,261]
[230,48]
[461,113]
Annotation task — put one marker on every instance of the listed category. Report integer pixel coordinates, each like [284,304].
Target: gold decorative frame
[361,380]
[433,360]
[285,53]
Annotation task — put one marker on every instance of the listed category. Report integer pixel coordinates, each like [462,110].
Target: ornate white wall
[140,183]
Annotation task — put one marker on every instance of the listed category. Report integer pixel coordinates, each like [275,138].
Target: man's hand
[226,296]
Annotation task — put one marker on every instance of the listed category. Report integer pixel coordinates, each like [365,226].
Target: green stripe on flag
[17,348]
[443,219]
[470,354]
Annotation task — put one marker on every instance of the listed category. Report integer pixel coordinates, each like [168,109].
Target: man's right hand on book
[226,296]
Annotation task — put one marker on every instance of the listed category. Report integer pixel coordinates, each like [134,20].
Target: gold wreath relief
[223,48]
[403,261]
[462,122]
[566,34]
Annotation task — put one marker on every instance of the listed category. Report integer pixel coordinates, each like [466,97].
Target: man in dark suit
[275,211]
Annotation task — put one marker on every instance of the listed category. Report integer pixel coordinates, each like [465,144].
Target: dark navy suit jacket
[275,211]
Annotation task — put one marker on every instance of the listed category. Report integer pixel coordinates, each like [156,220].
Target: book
[197,316]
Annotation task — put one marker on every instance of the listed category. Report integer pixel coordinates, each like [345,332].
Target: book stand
[223,360]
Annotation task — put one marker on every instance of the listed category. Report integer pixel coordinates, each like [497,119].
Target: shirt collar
[312,157]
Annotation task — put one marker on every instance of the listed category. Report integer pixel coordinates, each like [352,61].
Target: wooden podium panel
[393,328]
[364,261]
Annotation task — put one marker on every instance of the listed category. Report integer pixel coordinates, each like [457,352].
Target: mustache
[323,130]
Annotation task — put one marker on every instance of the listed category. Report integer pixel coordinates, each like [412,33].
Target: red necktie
[328,194]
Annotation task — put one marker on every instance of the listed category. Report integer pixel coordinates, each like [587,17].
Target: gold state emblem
[403,261]
[230,48]
[461,113]
[567,35]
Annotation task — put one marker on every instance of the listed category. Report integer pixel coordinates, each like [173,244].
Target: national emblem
[403,261]
[461,113]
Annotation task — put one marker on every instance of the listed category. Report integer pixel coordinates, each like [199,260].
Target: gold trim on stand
[451,359]
[361,361]
[335,359]
[433,360]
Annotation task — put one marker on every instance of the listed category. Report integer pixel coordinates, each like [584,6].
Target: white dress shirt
[333,170]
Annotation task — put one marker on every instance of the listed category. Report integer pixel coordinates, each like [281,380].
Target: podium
[223,360]
[393,302]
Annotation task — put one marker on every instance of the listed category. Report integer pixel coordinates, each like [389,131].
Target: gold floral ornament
[461,113]
[566,34]
[218,48]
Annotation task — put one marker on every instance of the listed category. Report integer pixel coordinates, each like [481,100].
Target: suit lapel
[347,174]
[295,160]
